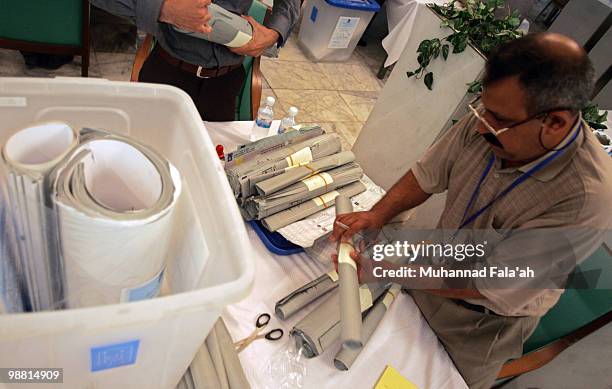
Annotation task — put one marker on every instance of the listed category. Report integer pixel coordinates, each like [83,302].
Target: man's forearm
[404,194]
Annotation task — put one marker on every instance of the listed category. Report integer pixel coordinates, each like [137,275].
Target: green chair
[250,95]
[578,313]
[49,27]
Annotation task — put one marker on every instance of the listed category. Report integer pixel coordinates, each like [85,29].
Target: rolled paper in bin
[346,356]
[299,298]
[321,327]
[350,312]
[30,155]
[115,201]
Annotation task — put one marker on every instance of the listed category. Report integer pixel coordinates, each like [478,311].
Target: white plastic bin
[330,29]
[145,344]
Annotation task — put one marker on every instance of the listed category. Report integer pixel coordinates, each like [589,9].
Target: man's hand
[263,38]
[356,221]
[190,15]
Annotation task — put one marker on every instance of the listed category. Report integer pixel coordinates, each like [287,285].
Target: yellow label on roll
[318,181]
[299,157]
[344,255]
[327,199]
[365,298]
[333,275]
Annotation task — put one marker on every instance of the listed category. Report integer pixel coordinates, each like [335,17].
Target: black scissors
[261,323]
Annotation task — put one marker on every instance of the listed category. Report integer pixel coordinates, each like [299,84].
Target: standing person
[521,162]
[211,74]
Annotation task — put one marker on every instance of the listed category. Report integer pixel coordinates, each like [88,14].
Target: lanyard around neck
[539,166]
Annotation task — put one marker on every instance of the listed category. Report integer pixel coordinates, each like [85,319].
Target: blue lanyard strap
[513,185]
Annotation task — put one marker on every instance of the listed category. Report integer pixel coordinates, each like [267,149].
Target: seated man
[522,160]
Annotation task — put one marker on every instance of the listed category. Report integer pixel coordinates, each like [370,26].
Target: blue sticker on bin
[114,355]
[313,14]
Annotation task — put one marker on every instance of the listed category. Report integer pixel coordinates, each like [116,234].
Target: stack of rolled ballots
[281,183]
[243,176]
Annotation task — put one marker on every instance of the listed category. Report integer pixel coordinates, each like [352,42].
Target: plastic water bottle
[262,124]
[288,121]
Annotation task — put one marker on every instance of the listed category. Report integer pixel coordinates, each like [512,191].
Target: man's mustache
[492,139]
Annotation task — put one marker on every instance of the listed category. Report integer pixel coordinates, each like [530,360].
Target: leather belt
[474,307]
[196,70]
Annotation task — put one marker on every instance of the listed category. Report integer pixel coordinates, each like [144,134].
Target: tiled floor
[338,96]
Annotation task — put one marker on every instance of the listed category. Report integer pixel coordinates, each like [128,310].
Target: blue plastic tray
[274,241]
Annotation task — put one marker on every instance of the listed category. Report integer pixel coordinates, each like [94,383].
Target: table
[401,15]
[403,340]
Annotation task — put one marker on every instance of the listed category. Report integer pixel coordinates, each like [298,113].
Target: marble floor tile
[13,65]
[350,77]
[347,131]
[294,75]
[315,105]
[360,103]
[114,66]
[291,51]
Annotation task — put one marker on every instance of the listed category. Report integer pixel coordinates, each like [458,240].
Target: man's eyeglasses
[477,108]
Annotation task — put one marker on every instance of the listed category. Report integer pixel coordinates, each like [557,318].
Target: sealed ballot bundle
[288,177]
[104,205]
[243,177]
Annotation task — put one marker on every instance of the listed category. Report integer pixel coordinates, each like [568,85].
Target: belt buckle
[198,73]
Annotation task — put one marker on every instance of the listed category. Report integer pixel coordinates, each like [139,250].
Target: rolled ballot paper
[350,312]
[321,328]
[243,177]
[293,214]
[346,356]
[228,29]
[216,364]
[259,207]
[115,200]
[291,176]
[266,145]
[29,157]
[299,298]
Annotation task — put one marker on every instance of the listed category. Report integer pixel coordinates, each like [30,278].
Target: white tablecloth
[403,340]
[400,18]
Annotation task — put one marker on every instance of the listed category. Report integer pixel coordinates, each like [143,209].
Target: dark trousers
[215,98]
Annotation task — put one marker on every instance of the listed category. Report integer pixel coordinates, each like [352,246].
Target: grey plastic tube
[350,310]
[306,294]
[345,357]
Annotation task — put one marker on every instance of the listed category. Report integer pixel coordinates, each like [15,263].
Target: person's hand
[364,267]
[263,38]
[190,15]
[356,221]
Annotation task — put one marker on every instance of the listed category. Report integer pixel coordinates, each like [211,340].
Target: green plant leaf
[428,80]
[445,52]
[412,73]
[475,86]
